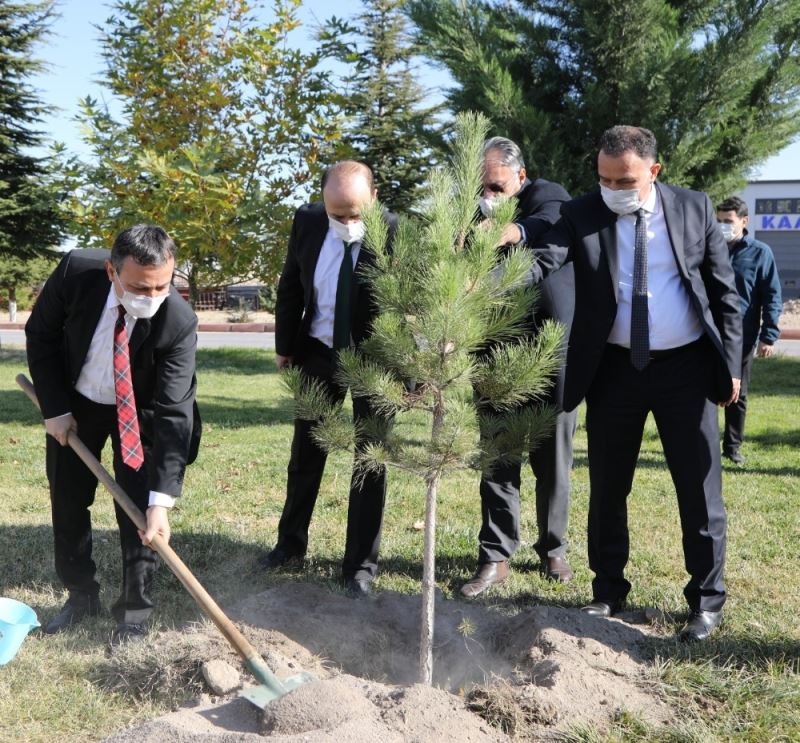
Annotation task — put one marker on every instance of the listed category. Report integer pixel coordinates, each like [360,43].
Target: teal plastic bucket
[16,620]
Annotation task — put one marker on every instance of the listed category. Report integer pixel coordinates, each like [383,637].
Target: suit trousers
[551,463]
[306,467]
[72,492]
[735,414]
[677,388]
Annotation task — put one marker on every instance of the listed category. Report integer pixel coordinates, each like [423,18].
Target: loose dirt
[499,675]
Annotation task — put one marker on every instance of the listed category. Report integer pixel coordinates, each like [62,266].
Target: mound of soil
[497,676]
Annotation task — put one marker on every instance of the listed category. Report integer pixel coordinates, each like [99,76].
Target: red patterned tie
[130,443]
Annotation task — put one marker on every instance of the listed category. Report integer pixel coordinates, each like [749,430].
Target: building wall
[775,219]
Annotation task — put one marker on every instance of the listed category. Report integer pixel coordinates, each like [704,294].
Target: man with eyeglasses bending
[111,349]
[539,200]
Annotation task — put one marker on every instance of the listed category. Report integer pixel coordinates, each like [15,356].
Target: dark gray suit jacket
[294,307]
[586,235]
[162,353]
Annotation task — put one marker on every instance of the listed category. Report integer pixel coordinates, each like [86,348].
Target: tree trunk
[12,304]
[429,556]
[194,291]
[428,586]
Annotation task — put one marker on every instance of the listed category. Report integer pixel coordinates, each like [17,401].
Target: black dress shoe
[734,455]
[700,625]
[487,575]
[127,632]
[358,588]
[277,558]
[604,608]
[556,569]
[77,607]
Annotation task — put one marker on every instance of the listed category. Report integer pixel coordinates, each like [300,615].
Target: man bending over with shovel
[111,350]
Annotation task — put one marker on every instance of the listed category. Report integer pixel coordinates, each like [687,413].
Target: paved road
[16,338]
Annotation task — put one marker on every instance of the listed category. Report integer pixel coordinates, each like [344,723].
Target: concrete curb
[237,327]
[222,327]
[787,334]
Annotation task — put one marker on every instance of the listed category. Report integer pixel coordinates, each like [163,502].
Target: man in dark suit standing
[324,305]
[504,176]
[111,350]
[656,329]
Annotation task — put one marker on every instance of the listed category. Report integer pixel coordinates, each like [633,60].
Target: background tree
[19,276]
[30,222]
[443,300]
[718,82]
[389,126]
[220,125]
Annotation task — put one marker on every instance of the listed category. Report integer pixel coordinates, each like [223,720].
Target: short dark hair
[620,139]
[147,244]
[347,167]
[734,204]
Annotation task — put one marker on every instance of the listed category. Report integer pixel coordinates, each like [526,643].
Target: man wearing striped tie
[111,350]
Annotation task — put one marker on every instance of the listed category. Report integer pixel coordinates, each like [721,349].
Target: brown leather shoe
[557,569]
[487,575]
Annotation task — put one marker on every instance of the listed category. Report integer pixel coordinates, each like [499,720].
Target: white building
[775,219]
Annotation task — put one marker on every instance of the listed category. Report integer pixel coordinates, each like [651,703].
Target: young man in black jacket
[760,291]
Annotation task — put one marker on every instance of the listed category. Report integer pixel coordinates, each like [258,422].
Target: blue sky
[73,56]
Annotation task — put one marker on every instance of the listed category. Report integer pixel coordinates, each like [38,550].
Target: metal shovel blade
[262,694]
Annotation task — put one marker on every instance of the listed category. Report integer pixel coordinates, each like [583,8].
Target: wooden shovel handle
[160,545]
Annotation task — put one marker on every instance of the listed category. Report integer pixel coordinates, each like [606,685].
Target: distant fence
[208,299]
[230,297]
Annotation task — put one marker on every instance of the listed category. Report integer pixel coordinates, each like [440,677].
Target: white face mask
[488,206]
[728,231]
[621,202]
[348,232]
[139,306]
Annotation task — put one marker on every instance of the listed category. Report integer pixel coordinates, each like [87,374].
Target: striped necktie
[127,421]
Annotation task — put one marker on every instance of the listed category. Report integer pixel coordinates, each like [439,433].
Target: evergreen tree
[717,82]
[221,126]
[388,124]
[19,276]
[29,218]
[447,295]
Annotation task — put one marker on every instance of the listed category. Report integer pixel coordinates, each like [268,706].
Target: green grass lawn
[743,685]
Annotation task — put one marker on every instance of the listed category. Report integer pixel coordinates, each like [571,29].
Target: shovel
[271,687]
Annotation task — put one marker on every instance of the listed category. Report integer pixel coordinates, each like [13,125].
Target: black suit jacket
[162,353]
[294,307]
[539,206]
[586,235]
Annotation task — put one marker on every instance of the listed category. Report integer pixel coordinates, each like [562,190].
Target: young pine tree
[448,344]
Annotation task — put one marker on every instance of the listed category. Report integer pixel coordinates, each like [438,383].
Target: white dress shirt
[672,319]
[326,278]
[96,380]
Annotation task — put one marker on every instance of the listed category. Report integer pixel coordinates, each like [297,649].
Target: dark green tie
[640,324]
[341,313]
